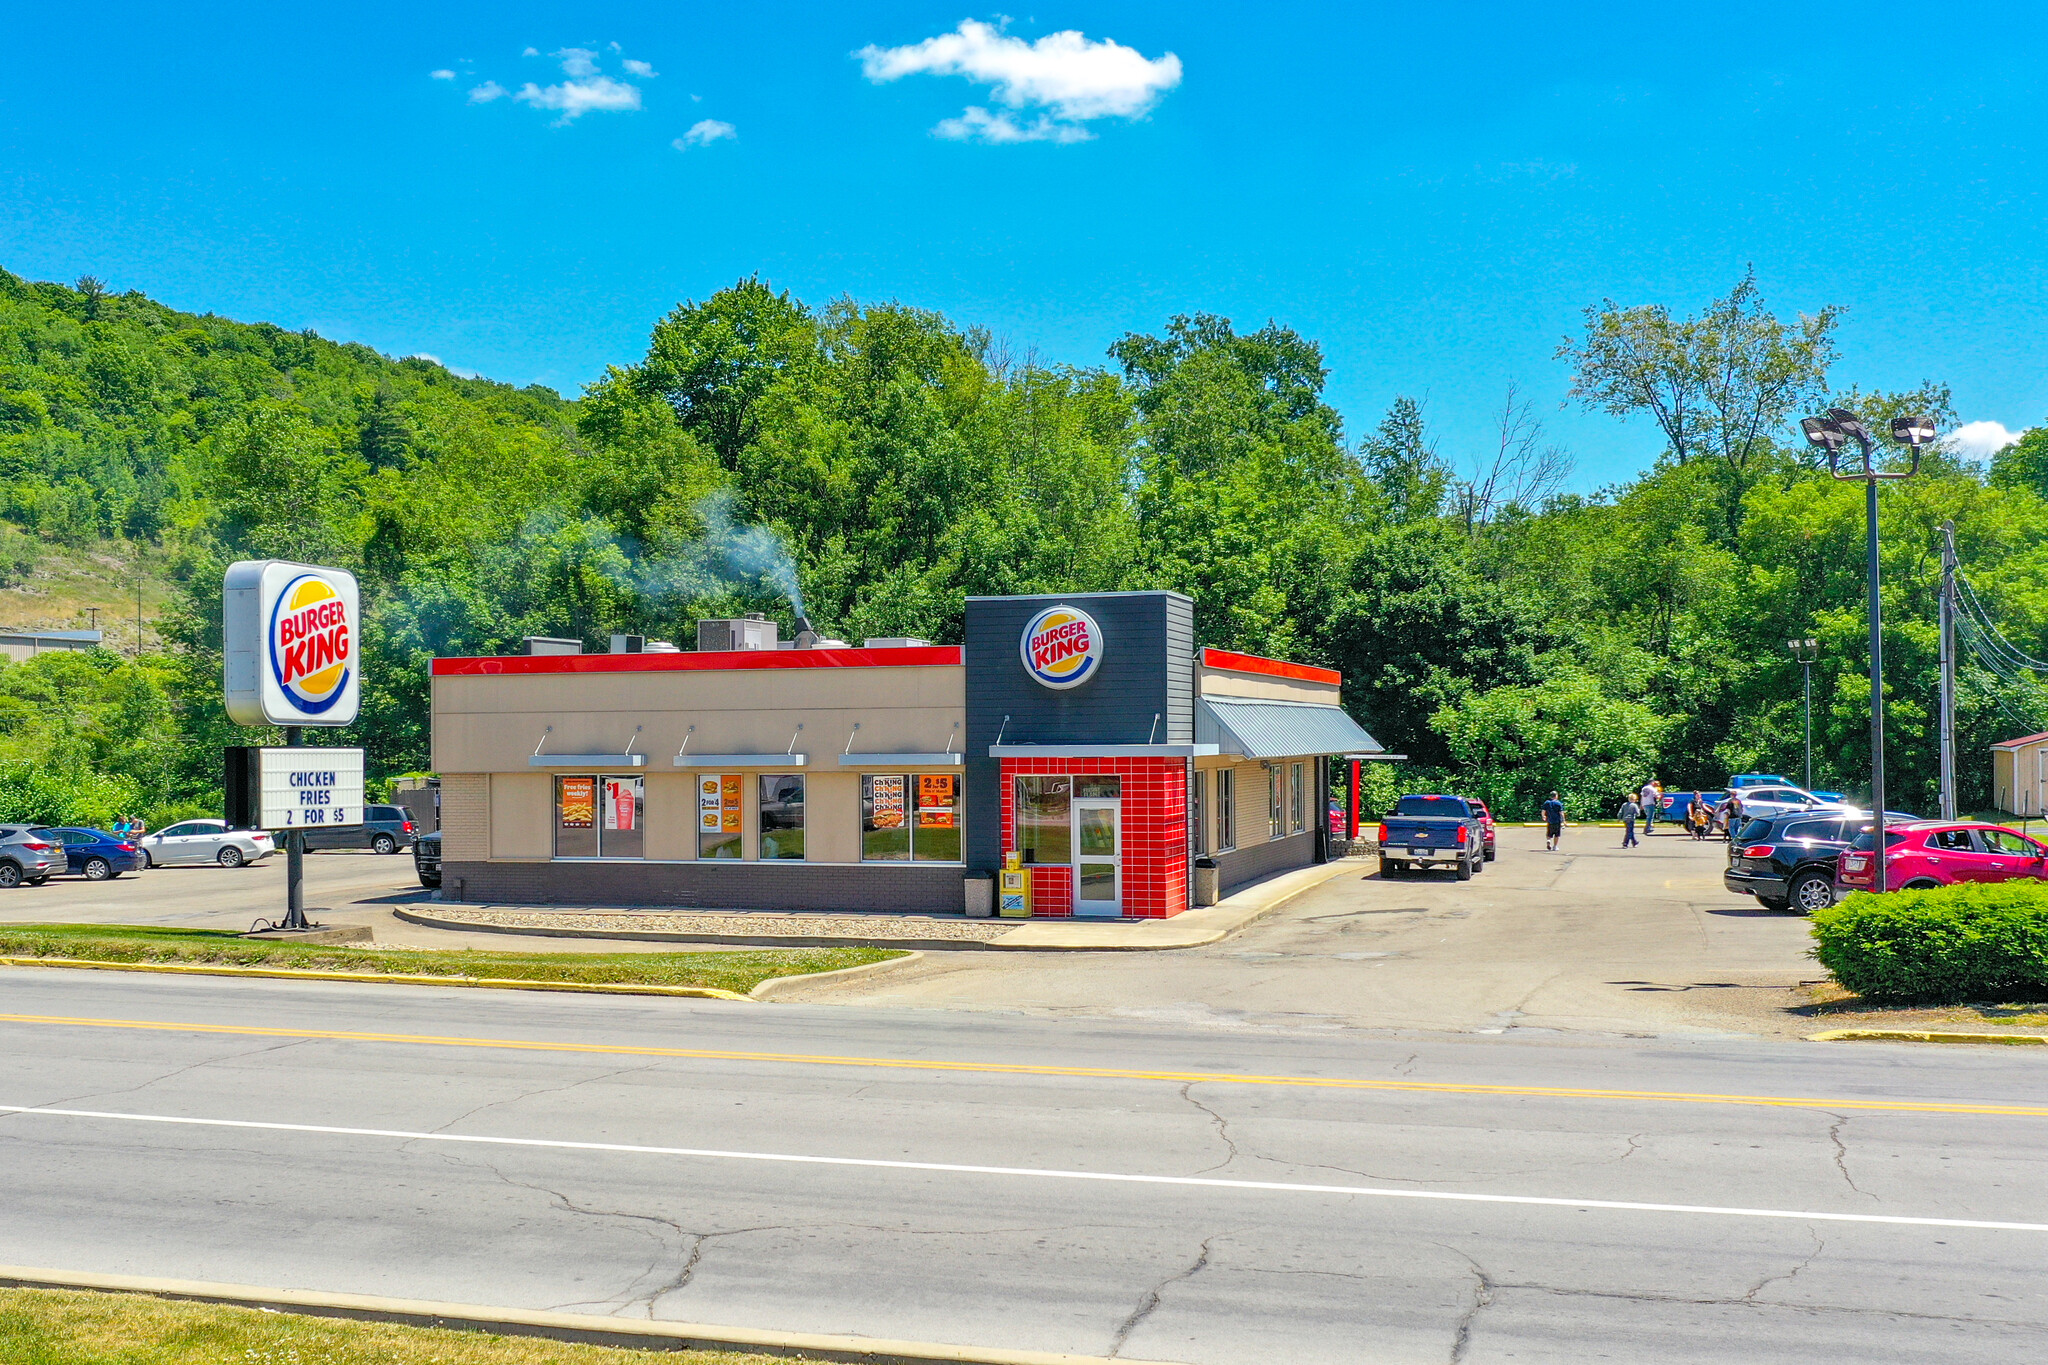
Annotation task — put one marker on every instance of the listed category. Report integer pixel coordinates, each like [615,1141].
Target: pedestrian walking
[1627,815]
[1653,801]
[1699,816]
[1553,822]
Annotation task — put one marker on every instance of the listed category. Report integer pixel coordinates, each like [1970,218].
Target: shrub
[33,794]
[1944,945]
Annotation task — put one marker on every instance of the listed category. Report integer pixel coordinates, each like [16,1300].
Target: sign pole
[294,855]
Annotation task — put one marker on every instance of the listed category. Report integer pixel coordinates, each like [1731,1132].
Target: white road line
[1029,1172]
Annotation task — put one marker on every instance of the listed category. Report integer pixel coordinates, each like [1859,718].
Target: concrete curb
[581,1327]
[1909,1035]
[425,920]
[1190,929]
[378,978]
[779,985]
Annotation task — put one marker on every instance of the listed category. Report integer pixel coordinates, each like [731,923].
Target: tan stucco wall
[1223,682]
[493,723]
[522,812]
[832,817]
[465,816]
[671,829]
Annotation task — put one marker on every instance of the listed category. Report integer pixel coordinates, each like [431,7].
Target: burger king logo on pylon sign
[293,644]
[312,641]
[1062,647]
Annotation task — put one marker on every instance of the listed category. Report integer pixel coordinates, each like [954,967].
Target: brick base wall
[1243,865]
[710,885]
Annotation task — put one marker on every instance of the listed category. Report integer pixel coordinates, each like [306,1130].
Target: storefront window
[782,816]
[1198,831]
[910,817]
[575,817]
[718,815]
[935,836]
[1297,800]
[1044,815]
[1111,788]
[600,816]
[1274,816]
[1226,809]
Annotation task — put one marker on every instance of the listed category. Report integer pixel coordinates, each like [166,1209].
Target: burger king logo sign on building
[1062,647]
[293,644]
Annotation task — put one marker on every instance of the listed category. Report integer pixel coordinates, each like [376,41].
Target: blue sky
[1433,192]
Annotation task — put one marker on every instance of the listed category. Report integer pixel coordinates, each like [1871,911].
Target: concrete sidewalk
[614,927]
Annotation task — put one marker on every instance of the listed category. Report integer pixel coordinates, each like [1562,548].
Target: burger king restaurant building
[1085,733]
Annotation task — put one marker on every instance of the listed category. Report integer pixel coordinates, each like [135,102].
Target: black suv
[1788,861]
[426,858]
[386,829]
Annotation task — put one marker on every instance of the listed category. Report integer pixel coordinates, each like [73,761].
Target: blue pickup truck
[1432,831]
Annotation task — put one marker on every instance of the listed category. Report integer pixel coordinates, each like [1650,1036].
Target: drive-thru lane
[1241,1199]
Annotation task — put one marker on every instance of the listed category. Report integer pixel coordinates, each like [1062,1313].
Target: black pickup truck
[1432,831]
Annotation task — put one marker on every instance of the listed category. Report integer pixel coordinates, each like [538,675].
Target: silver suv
[27,855]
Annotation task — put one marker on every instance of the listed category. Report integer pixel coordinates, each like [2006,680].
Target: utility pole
[1806,651]
[1947,722]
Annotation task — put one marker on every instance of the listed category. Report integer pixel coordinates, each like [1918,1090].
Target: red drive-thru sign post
[292,636]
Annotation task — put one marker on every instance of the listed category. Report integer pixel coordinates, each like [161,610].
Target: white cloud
[703,133]
[488,91]
[575,98]
[639,68]
[529,52]
[976,123]
[1075,79]
[444,74]
[1981,440]
[577,62]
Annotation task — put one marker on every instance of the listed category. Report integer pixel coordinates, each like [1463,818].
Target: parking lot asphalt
[208,897]
[1594,938]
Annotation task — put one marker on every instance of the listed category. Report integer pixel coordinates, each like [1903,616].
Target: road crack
[1482,1298]
[1150,1302]
[1842,1154]
[1818,1247]
[1222,1129]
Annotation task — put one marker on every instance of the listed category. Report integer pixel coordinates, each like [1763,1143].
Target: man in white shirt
[1653,801]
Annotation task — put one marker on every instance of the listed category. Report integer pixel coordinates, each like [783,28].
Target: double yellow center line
[1036,1069]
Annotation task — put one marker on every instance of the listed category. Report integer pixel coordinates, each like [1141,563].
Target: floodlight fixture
[1822,434]
[1913,431]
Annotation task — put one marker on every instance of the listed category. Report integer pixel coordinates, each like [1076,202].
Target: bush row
[1943,945]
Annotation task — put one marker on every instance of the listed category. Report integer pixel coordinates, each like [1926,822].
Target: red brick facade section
[1155,833]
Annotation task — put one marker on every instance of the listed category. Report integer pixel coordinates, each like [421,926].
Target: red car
[1942,853]
[1485,825]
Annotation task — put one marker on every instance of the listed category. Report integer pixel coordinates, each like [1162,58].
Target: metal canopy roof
[1278,729]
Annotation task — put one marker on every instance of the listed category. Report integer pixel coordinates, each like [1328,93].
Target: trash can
[981,895]
[1208,882]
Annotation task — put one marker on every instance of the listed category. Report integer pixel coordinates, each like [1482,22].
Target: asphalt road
[212,897]
[1439,1208]
[1594,938]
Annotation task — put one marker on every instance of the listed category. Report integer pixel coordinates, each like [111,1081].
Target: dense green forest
[883,462]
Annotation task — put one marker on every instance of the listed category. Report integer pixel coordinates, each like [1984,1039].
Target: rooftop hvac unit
[893,642]
[744,632]
[545,644]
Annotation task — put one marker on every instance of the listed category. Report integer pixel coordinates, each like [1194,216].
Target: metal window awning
[1101,750]
[942,760]
[588,761]
[1280,729]
[741,760]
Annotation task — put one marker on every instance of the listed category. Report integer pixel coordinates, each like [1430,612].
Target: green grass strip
[730,971]
[71,1327]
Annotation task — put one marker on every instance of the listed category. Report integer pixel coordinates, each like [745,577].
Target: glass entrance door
[1098,857]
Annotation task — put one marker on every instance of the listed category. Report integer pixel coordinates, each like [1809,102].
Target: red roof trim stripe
[735,660]
[1272,668]
[2023,739]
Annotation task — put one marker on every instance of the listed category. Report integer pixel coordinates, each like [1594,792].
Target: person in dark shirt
[1628,814]
[1553,822]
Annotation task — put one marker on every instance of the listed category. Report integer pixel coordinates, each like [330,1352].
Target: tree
[1401,459]
[1512,745]
[1519,473]
[1719,384]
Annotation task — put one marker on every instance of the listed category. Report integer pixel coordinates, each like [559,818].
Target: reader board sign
[1061,647]
[293,640]
[303,788]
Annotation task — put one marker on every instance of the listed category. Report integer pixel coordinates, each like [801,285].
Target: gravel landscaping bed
[765,923]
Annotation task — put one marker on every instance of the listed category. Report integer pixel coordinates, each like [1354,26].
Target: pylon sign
[293,644]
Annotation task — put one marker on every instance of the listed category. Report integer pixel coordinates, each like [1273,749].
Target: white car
[206,841]
[1759,802]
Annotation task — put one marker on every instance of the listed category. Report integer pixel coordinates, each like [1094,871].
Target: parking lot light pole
[1805,652]
[1831,434]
